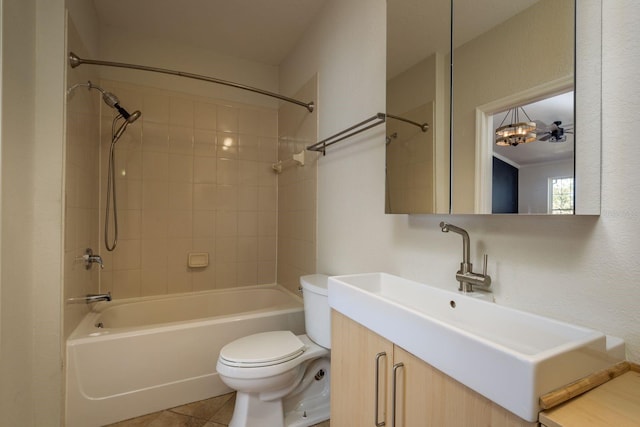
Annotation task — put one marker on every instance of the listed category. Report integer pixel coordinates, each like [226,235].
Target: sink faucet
[467,278]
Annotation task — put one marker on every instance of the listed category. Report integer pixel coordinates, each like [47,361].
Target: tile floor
[214,412]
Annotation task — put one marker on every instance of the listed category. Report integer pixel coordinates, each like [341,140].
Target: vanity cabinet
[424,396]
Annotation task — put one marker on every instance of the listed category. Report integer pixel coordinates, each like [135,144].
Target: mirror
[418,62]
[513,62]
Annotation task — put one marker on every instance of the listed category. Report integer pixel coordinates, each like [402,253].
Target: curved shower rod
[75,61]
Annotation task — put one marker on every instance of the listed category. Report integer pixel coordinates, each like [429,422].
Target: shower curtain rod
[75,61]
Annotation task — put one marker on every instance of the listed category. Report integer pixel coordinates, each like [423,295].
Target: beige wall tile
[180,224]
[204,224]
[249,122]
[181,140]
[181,168]
[226,275]
[227,118]
[204,170]
[181,112]
[156,108]
[179,282]
[205,116]
[155,136]
[227,145]
[227,198]
[193,174]
[204,143]
[248,249]
[247,198]
[204,197]
[181,196]
[226,224]
[247,273]
[204,279]
[155,166]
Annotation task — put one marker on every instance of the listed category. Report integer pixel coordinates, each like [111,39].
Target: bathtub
[135,356]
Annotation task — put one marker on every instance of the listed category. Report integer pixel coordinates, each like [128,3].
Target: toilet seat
[263,349]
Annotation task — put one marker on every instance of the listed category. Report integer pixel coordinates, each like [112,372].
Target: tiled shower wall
[193,174]
[297,185]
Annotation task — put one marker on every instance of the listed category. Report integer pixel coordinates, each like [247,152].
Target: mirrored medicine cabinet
[535,62]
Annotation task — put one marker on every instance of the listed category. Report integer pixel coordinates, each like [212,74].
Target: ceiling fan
[553,132]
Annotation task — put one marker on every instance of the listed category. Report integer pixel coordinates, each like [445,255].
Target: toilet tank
[317,314]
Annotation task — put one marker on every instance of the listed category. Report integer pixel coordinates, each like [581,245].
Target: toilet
[282,380]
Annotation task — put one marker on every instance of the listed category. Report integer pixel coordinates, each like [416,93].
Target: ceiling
[262,31]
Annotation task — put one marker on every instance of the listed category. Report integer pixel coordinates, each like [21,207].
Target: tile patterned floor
[214,412]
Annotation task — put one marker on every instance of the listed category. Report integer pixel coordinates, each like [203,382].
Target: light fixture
[517,132]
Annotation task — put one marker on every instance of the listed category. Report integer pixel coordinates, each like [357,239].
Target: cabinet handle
[395,387]
[378,357]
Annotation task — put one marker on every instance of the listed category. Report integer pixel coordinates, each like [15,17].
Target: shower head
[127,121]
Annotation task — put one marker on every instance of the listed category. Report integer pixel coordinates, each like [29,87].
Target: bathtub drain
[319,375]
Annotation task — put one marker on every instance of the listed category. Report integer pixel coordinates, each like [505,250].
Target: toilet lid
[263,349]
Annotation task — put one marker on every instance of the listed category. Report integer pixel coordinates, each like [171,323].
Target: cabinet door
[353,374]
[427,397]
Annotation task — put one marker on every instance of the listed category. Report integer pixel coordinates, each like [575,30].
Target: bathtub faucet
[90,298]
[89,258]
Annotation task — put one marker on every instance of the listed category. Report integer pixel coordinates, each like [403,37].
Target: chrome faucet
[88,299]
[89,258]
[467,278]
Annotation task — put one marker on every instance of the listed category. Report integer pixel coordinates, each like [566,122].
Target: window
[561,195]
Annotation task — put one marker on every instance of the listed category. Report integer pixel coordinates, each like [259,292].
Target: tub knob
[89,258]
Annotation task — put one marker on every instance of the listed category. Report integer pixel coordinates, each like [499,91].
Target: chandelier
[517,131]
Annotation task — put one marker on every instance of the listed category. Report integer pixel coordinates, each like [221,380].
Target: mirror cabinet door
[516,107]
[418,77]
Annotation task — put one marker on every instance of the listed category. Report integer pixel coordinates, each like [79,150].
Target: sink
[509,356]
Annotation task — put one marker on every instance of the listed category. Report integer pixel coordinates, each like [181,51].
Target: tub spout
[90,298]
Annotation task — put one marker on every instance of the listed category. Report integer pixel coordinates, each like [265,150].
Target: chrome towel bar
[378,119]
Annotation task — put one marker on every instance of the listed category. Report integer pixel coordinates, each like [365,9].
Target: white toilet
[282,379]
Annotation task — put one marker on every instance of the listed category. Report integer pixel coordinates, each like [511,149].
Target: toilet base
[306,405]
[309,403]
[251,411]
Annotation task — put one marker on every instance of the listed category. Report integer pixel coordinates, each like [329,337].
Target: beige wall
[595,285]
[297,189]
[32,126]
[528,50]
[193,174]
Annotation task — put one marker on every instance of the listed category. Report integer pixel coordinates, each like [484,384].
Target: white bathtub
[158,352]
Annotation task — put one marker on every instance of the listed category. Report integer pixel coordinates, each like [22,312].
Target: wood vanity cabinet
[424,396]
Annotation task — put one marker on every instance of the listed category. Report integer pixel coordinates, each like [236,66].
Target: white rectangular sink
[509,356]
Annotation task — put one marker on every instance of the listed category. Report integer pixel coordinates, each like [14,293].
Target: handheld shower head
[127,121]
